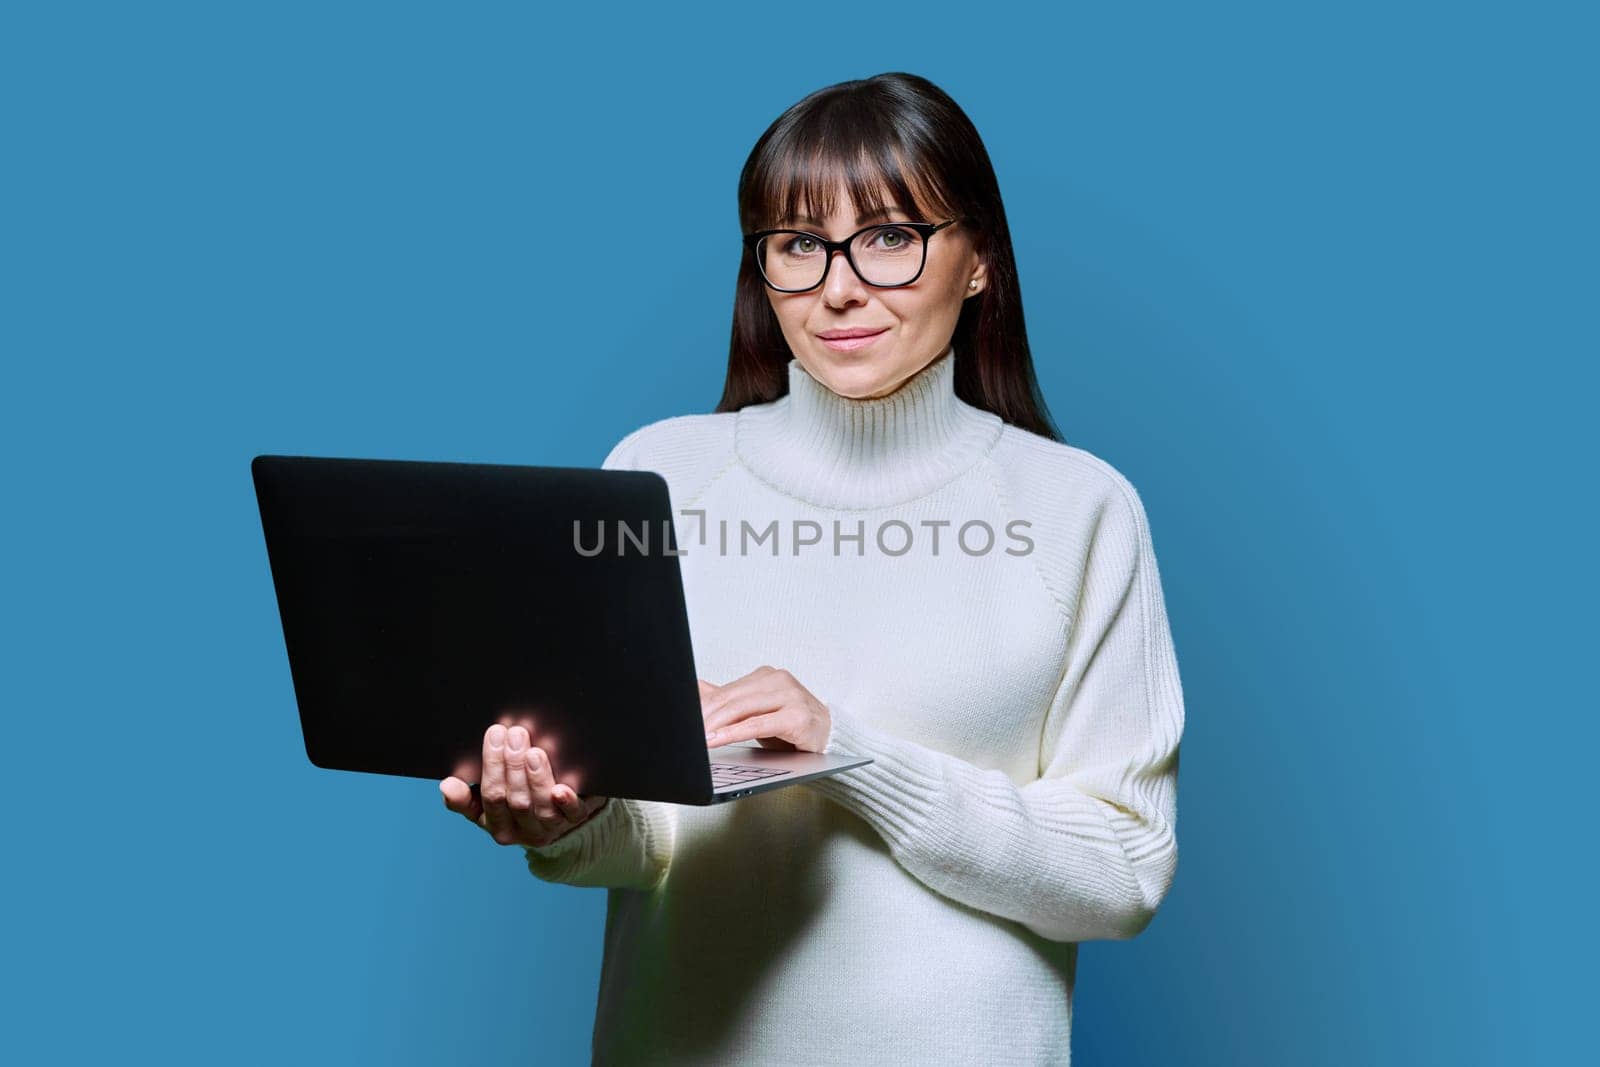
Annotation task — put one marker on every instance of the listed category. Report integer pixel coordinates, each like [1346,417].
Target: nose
[843,284]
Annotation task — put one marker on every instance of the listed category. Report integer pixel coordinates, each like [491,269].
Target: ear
[980,274]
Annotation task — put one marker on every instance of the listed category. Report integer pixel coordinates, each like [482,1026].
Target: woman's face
[916,321]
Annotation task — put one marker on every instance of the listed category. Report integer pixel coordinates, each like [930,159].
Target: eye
[802,244]
[893,239]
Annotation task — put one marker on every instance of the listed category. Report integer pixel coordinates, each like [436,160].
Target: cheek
[791,314]
[929,306]
[947,280]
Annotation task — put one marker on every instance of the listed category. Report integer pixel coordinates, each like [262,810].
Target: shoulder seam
[997,480]
[729,463]
[1119,481]
[709,418]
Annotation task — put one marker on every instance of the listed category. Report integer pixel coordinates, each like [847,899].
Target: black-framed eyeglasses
[885,256]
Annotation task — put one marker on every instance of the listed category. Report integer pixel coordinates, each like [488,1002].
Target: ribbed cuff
[595,831]
[625,845]
[898,793]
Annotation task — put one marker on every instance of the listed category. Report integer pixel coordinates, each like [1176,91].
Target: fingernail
[496,737]
[514,742]
[713,735]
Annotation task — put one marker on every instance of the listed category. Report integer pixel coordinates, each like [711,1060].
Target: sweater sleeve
[1088,850]
[627,844]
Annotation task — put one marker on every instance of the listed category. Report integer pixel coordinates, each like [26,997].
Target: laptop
[422,602]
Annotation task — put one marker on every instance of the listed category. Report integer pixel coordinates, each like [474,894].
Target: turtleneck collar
[836,451]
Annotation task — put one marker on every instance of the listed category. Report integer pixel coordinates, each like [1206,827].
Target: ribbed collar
[837,451]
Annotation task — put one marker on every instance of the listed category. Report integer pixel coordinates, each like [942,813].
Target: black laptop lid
[422,602]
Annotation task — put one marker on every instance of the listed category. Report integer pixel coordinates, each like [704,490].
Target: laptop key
[739,774]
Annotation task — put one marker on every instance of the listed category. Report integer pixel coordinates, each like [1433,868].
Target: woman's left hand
[768,705]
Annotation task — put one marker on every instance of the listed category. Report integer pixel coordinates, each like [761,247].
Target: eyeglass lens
[883,255]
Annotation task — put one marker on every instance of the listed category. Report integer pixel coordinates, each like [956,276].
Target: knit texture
[980,609]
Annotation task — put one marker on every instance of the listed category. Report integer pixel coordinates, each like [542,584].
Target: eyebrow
[861,220]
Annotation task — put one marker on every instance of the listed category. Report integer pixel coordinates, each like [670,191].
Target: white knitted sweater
[1017,689]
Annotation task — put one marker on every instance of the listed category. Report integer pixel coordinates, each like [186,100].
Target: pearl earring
[972,284]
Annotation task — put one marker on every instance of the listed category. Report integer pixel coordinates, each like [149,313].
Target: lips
[851,340]
[854,331]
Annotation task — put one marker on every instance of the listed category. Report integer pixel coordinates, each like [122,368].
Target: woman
[888,552]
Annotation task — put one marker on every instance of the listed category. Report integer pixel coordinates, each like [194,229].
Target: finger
[543,816]
[492,793]
[756,677]
[458,797]
[773,681]
[762,671]
[772,724]
[519,794]
[731,709]
[570,804]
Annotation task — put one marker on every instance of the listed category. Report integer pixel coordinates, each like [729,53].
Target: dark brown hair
[891,138]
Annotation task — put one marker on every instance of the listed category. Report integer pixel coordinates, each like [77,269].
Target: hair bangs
[806,175]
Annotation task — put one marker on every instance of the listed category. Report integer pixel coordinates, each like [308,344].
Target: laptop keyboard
[739,774]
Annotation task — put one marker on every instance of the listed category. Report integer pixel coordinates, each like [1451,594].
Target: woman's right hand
[519,801]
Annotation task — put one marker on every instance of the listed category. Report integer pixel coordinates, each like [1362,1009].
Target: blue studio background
[1319,281]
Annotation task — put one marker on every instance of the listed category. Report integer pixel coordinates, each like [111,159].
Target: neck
[837,451]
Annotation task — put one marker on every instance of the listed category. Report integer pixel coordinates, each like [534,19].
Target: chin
[857,377]
[857,383]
